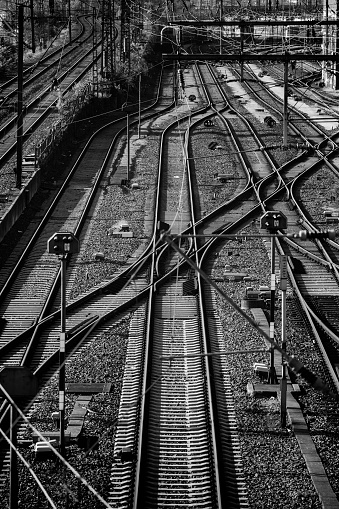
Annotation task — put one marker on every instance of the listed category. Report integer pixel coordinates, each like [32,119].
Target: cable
[292,361]
[53,450]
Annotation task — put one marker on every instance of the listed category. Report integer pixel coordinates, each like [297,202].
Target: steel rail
[312,318]
[139,481]
[42,320]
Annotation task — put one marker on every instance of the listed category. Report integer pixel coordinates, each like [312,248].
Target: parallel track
[180,321]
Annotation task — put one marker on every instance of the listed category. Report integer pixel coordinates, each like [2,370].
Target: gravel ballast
[274,469]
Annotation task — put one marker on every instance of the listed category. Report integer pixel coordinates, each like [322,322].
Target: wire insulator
[325,234]
[307,375]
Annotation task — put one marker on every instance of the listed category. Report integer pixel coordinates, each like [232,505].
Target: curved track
[176,328]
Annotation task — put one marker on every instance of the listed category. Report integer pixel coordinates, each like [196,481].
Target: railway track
[79,190]
[70,65]
[318,277]
[181,313]
[116,483]
[175,462]
[177,435]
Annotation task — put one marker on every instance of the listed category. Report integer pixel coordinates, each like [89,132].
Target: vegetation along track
[40,101]
[52,63]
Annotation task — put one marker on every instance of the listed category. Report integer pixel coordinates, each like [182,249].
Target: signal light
[273,221]
[63,243]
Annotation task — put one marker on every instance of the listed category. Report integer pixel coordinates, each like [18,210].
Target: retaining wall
[20,202]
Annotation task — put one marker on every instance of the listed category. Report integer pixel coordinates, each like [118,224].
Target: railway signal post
[62,244]
[273,221]
[283,381]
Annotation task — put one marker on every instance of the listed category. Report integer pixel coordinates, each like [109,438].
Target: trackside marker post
[273,222]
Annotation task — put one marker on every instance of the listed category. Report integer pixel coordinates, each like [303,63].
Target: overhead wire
[29,468]
[66,464]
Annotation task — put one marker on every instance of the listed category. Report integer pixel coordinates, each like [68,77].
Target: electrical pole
[125,31]
[69,21]
[128,147]
[19,131]
[31,6]
[13,482]
[220,35]
[139,110]
[108,40]
[95,54]
[242,28]
[285,106]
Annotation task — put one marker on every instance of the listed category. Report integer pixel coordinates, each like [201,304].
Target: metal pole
[62,355]
[127,134]
[139,119]
[95,70]
[111,62]
[283,381]
[103,40]
[20,92]
[272,374]
[62,243]
[221,13]
[13,496]
[285,107]
[241,26]
[32,25]
[114,46]
[69,21]
[325,75]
